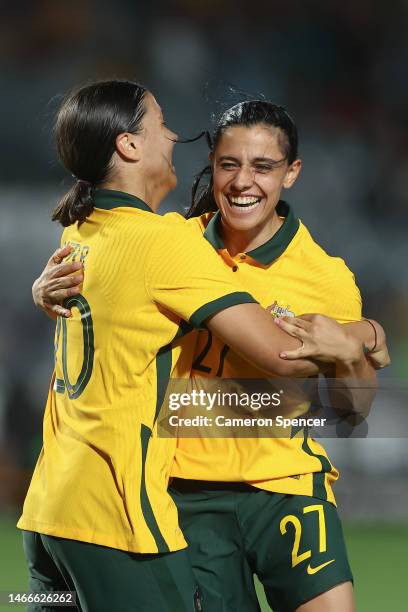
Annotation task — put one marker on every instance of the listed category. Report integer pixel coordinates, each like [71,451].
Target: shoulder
[331,278]
[201,222]
[142,223]
[194,224]
[181,236]
[335,267]
[173,217]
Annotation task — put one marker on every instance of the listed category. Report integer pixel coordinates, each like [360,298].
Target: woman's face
[157,143]
[249,172]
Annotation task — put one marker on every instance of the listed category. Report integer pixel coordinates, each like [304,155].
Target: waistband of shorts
[185,485]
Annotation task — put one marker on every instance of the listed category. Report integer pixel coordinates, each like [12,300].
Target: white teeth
[240,207]
[243,200]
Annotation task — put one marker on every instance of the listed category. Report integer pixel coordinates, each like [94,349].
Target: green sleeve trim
[232,299]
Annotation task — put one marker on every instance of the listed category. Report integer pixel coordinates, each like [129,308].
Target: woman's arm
[327,333]
[247,328]
[354,382]
[372,335]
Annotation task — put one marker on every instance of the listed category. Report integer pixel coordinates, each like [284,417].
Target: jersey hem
[84,536]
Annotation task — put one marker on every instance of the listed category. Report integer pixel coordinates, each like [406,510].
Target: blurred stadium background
[341,70]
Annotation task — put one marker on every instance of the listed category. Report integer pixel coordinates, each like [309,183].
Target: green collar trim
[212,232]
[273,248]
[108,199]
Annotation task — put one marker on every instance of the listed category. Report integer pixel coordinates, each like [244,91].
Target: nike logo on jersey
[313,570]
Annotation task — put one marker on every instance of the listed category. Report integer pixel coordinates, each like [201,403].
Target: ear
[292,173]
[128,147]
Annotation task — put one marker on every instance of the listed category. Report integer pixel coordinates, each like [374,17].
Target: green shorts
[110,580]
[293,543]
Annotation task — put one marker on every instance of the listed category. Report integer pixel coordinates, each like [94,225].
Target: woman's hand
[323,339]
[57,282]
[329,342]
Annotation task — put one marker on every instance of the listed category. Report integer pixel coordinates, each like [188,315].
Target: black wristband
[375,335]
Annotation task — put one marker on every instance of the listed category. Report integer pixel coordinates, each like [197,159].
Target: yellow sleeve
[345,297]
[192,281]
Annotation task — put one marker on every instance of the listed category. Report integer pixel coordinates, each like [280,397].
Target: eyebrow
[255,160]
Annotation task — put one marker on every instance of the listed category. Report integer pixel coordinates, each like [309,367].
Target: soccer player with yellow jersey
[263,505]
[97,518]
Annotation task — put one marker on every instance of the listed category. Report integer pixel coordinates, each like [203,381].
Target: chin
[241,224]
[173,182]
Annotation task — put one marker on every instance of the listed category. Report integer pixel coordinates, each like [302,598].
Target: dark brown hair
[86,128]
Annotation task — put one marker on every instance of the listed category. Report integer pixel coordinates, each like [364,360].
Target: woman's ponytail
[76,205]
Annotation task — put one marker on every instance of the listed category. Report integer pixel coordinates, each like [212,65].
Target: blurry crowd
[339,68]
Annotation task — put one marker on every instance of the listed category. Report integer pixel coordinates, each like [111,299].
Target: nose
[243,178]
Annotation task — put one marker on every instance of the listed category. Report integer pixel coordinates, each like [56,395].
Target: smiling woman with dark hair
[268,502]
[246,114]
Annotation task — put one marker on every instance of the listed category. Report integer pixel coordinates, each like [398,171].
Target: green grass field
[378,556]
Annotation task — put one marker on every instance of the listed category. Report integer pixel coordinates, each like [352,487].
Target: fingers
[298,322]
[293,326]
[65,268]
[56,267]
[64,282]
[59,281]
[288,324]
[56,298]
[59,254]
[60,311]
[307,317]
[302,330]
[61,271]
[298,353]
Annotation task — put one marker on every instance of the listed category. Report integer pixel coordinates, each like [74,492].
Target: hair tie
[84,183]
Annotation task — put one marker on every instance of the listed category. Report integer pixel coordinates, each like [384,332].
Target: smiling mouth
[247,202]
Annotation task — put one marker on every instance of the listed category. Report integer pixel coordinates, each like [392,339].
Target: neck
[137,187]
[243,241]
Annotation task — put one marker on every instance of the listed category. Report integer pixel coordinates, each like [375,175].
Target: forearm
[372,335]
[353,390]
[252,333]
[366,331]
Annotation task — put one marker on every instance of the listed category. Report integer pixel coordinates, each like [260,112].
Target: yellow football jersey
[289,274]
[102,473]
